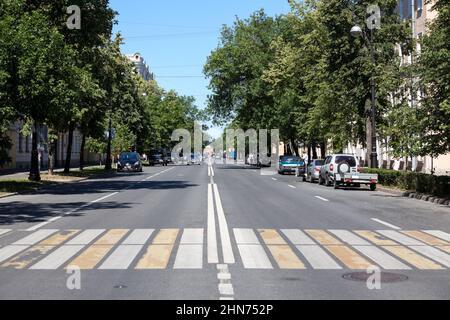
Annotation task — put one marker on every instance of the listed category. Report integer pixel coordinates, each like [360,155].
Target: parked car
[343,170]
[157,159]
[313,170]
[195,159]
[291,164]
[129,161]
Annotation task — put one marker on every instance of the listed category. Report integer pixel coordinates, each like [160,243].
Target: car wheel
[327,180]
[373,187]
[336,185]
[320,180]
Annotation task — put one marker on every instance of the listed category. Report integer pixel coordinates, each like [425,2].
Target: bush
[417,182]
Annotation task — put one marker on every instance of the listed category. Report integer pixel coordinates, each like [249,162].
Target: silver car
[313,170]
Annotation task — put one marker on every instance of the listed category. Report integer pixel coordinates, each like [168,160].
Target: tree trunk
[83,145]
[35,174]
[309,153]
[51,158]
[368,142]
[323,150]
[69,149]
[314,150]
[295,147]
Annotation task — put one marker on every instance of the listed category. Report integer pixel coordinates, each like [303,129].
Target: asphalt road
[220,232]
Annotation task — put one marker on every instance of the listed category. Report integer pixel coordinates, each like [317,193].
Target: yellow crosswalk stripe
[38,251]
[271,236]
[285,257]
[349,258]
[91,257]
[28,257]
[375,238]
[424,237]
[159,252]
[323,237]
[413,258]
[112,237]
[444,248]
[280,250]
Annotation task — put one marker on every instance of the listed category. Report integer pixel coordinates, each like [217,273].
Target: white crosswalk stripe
[189,256]
[138,236]
[297,237]
[245,236]
[400,238]
[86,237]
[36,237]
[434,254]
[439,234]
[10,251]
[57,258]
[383,259]
[4,231]
[254,257]
[121,258]
[349,237]
[317,257]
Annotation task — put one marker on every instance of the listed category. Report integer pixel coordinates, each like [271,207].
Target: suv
[343,170]
[129,161]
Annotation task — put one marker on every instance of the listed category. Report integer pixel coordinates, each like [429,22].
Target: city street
[219,232]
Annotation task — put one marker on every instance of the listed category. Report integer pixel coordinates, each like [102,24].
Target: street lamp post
[356,31]
[108,164]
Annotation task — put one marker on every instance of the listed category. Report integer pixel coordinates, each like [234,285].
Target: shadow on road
[20,212]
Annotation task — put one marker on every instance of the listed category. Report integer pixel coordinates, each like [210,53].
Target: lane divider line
[227,250]
[387,224]
[323,199]
[211,232]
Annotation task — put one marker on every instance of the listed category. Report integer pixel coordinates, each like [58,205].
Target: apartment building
[141,67]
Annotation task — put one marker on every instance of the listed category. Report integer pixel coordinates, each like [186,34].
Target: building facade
[140,66]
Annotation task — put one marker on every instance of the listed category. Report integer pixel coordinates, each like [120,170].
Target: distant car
[342,170]
[195,159]
[313,170]
[157,159]
[129,161]
[291,164]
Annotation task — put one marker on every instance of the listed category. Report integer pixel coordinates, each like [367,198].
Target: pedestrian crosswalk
[256,249]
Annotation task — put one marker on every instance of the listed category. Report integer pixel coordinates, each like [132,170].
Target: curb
[426,197]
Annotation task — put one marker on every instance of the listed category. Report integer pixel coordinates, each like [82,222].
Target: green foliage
[418,182]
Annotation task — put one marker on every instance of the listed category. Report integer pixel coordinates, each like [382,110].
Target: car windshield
[319,163]
[346,159]
[129,156]
[290,159]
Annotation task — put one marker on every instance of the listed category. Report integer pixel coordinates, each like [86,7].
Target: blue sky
[175,37]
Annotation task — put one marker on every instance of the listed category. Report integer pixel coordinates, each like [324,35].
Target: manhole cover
[386,277]
[120,286]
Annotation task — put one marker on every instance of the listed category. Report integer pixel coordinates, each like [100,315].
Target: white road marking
[323,199]
[86,237]
[293,187]
[224,276]
[209,171]
[274,179]
[57,258]
[192,236]
[439,234]
[433,253]
[189,256]
[254,257]
[318,258]
[297,237]
[227,250]
[386,224]
[35,237]
[4,231]
[211,232]
[245,236]
[105,197]
[226,289]
[122,257]
[401,238]
[138,236]
[349,237]
[9,251]
[381,258]
[212,172]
